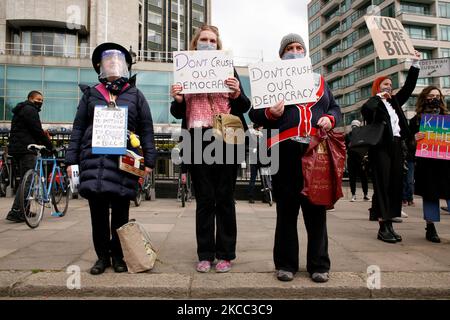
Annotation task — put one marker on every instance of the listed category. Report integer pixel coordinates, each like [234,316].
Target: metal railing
[82,52]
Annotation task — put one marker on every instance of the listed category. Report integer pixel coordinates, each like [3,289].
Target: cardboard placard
[289,80]
[203,71]
[109,132]
[390,38]
[436,144]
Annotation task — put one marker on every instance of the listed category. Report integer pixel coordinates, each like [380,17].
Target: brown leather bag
[227,126]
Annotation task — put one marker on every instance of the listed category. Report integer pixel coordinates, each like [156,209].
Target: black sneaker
[100,266]
[15,216]
[119,265]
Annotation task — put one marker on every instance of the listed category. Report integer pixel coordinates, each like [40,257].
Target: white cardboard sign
[109,132]
[289,80]
[203,71]
[434,68]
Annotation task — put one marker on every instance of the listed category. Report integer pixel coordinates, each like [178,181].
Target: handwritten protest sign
[203,71]
[109,132]
[288,80]
[434,68]
[389,37]
[436,143]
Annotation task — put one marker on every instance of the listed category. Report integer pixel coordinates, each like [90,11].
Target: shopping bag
[323,168]
[138,252]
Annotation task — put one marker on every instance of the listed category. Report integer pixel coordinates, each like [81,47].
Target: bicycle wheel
[183,195]
[4,181]
[32,198]
[138,198]
[61,195]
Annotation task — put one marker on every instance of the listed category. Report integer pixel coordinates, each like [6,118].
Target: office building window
[415,8]
[314,42]
[389,11]
[199,2]
[314,8]
[445,33]
[175,7]
[445,53]
[155,18]
[385,64]
[315,57]
[446,82]
[417,32]
[198,15]
[156,3]
[314,25]
[444,9]
[154,36]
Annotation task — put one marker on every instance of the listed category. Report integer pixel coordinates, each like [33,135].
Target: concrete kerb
[342,285]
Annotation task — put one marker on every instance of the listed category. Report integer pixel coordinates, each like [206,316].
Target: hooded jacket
[26,129]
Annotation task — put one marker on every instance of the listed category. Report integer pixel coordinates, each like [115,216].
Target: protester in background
[101,181]
[386,157]
[214,184]
[409,147]
[26,129]
[432,176]
[294,130]
[355,166]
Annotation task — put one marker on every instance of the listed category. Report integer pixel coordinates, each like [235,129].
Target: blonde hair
[193,45]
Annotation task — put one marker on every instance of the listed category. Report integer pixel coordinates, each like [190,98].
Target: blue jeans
[431,210]
[408,182]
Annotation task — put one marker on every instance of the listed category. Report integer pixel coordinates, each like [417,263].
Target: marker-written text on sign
[389,37]
[436,143]
[288,80]
[109,132]
[203,71]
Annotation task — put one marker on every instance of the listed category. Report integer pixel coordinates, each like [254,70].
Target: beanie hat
[288,39]
[376,84]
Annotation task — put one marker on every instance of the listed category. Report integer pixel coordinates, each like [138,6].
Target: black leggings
[106,245]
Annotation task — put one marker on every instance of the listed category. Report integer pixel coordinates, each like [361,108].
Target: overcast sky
[254,28]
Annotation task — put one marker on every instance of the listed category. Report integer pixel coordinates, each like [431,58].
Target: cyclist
[26,129]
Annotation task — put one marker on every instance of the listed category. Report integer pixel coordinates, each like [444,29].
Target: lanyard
[112,101]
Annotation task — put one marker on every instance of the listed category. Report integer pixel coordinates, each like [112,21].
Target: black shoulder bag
[366,136]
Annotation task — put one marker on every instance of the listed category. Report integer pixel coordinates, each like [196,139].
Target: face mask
[290,55]
[38,104]
[116,86]
[432,106]
[388,90]
[206,46]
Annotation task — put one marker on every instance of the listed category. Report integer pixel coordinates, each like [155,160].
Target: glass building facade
[59,85]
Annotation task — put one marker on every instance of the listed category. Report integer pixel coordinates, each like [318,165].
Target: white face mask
[113,64]
[290,55]
[206,46]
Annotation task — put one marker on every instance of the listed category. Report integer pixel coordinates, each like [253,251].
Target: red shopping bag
[323,168]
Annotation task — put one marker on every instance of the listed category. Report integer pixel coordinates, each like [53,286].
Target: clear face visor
[113,64]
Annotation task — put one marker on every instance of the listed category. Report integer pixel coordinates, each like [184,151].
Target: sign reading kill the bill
[203,71]
[289,80]
[434,68]
[389,37]
[436,144]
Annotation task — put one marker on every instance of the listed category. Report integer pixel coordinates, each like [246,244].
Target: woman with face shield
[432,176]
[295,123]
[386,158]
[214,183]
[107,188]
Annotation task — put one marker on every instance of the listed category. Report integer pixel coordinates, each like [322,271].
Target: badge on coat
[109,132]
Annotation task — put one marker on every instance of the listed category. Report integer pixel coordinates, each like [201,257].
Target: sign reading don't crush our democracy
[289,80]
[203,71]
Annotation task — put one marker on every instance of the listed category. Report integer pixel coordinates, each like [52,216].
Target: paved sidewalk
[33,263]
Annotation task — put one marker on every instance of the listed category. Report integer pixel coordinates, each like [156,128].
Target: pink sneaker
[203,266]
[223,266]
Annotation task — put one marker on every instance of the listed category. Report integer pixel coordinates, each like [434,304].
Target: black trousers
[214,194]
[104,234]
[287,184]
[24,163]
[355,170]
[387,170]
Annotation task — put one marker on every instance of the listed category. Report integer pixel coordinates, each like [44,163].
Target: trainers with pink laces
[203,266]
[223,266]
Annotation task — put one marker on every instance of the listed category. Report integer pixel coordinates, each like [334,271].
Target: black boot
[397,237]
[100,266]
[431,234]
[384,234]
[119,265]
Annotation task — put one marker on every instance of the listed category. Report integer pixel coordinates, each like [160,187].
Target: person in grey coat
[101,181]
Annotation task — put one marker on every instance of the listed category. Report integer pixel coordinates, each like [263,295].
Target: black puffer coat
[26,129]
[100,174]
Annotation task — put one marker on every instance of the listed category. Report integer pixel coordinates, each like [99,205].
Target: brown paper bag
[138,251]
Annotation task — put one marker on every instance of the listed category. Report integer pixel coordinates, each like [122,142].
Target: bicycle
[144,189]
[184,188]
[38,190]
[4,173]
[266,180]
